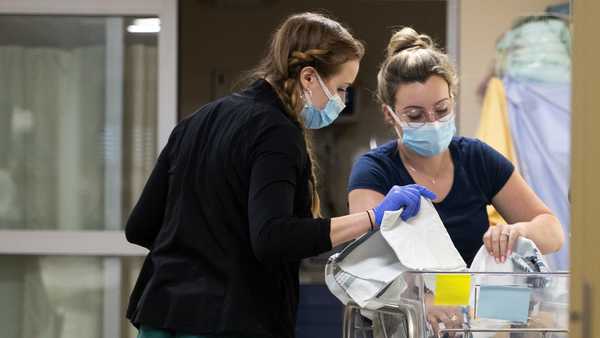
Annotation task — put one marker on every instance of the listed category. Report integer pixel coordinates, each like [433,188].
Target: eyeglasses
[416,118]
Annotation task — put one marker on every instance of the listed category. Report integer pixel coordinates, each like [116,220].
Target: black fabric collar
[264,92]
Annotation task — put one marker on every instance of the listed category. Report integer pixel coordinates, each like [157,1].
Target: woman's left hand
[450,316]
[500,239]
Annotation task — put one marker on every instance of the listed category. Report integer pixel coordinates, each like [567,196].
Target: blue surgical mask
[429,139]
[318,118]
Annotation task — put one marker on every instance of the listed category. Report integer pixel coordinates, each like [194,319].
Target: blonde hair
[412,57]
[306,39]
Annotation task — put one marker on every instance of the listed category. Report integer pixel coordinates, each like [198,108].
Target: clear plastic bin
[499,305]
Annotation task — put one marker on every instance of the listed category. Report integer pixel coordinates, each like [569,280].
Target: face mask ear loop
[322,84]
[393,114]
[395,118]
[306,94]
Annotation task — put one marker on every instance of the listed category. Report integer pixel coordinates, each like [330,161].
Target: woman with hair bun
[416,86]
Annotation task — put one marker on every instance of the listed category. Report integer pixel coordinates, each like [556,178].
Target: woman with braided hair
[231,206]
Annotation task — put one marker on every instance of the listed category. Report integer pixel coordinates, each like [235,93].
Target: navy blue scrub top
[479,174]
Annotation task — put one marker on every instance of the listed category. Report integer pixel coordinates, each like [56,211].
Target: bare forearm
[349,227]
[545,231]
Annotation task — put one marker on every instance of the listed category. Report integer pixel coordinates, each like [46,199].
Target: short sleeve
[369,173]
[497,169]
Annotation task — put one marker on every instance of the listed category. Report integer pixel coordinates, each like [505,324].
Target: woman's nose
[430,117]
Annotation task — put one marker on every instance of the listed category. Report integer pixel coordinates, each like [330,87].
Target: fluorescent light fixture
[146,25]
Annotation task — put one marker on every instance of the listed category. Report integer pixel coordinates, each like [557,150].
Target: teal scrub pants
[148,332]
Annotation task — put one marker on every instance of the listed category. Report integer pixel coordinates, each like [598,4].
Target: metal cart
[497,305]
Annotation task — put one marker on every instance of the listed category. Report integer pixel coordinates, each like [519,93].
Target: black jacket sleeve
[146,218]
[278,157]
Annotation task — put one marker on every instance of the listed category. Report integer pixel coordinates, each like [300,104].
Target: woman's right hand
[407,197]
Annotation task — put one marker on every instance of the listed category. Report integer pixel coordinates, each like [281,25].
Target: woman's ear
[307,77]
[387,117]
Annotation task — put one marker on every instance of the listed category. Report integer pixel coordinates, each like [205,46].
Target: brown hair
[412,57]
[306,39]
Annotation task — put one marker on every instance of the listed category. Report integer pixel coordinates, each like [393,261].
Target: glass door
[87,99]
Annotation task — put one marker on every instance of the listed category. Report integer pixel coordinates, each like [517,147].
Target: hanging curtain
[140,120]
[536,49]
[540,115]
[53,100]
[494,129]
[534,59]
[53,103]
[52,175]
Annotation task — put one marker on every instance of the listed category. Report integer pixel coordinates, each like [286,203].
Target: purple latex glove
[407,197]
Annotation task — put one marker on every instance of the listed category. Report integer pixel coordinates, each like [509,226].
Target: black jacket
[226,216]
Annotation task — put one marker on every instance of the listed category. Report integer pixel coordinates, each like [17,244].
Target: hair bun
[407,38]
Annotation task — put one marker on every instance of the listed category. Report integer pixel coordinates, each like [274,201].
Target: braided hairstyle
[303,40]
[412,57]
